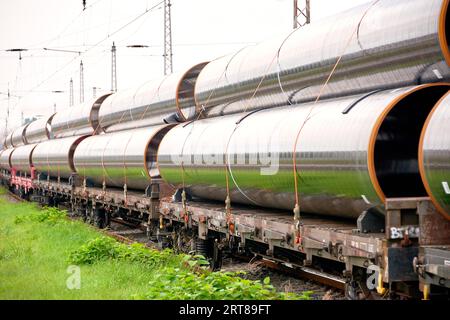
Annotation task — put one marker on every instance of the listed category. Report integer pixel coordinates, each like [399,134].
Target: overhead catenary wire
[139,27]
[32,90]
[182,44]
[93,46]
[65,28]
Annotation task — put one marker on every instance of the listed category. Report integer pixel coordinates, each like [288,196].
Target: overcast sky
[202,30]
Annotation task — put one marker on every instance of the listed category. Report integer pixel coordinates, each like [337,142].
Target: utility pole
[81,82]
[71,92]
[302,13]
[54,107]
[7,112]
[168,63]
[113,68]
[94,92]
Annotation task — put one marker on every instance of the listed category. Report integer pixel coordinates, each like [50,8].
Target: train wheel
[99,218]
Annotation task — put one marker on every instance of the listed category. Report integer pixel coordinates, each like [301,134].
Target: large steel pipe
[39,130]
[352,153]
[155,102]
[78,120]
[54,158]
[18,136]
[7,143]
[120,158]
[393,44]
[434,156]
[21,160]
[5,158]
[87,158]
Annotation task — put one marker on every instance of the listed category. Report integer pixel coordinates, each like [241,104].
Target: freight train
[326,152]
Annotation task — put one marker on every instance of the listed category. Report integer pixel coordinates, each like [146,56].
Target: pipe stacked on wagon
[387,63]
[111,140]
[352,153]
[134,122]
[434,156]
[380,45]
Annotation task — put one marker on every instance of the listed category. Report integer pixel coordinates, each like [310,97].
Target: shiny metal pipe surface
[352,153]
[39,130]
[5,156]
[120,158]
[153,103]
[78,120]
[7,143]
[18,136]
[87,158]
[21,158]
[434,156]
[393,44]
[55,157]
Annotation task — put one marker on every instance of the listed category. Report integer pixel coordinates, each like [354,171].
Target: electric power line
[48,41]
[95,45]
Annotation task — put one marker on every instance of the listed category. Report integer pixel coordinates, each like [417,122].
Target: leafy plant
[48,215]
[183,284]
[104,248]
[185,277]
[101,248]
[196,261]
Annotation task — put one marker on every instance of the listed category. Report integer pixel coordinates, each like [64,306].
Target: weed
[183,284]
[48,215]
[105,248]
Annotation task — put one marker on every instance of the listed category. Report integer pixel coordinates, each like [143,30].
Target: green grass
[33,261]
[38,245]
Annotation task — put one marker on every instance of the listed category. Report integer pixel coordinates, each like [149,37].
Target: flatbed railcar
[401,255]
